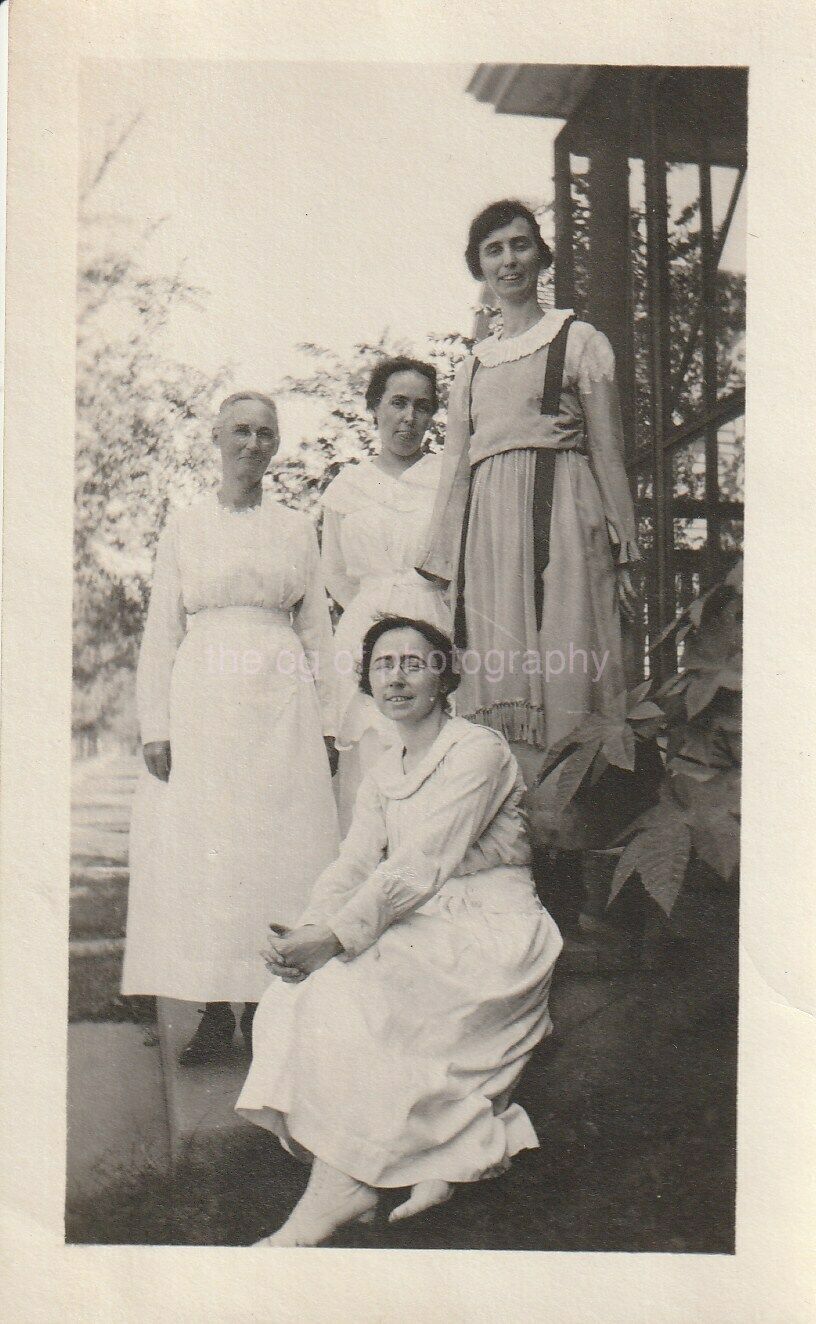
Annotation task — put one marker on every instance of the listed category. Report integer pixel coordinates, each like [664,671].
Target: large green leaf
[644,712]
[673,685]
[590,731]
[716,838]
[658,852]
[572,773]
[703,687]
[723,790]
[637,695]
[698,772]
[619,747]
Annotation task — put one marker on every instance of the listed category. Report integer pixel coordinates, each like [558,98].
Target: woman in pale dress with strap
[533,526]
[416,986]
[375,521]
[234,817]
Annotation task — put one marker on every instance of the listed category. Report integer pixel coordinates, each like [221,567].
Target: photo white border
[767,1280]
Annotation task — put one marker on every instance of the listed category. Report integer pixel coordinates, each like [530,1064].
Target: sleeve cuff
[629,553]
[352,934]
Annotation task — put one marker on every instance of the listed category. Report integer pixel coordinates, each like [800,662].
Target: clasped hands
[292,954]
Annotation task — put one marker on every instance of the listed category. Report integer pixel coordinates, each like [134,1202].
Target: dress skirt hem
[315,1136]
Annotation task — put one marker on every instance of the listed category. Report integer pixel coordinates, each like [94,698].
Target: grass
[635,1108]
[93,992]
[635,1111]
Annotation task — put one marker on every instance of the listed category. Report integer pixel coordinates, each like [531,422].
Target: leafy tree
[142,434]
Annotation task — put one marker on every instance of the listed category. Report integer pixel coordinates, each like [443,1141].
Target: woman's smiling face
[511,261]
[405,676]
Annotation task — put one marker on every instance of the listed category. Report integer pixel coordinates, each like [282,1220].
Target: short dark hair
[386,368]
[438,640]
[493,218]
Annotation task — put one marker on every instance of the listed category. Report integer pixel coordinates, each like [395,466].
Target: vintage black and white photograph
[407,656]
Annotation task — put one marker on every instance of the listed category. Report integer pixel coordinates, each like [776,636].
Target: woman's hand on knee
[157,758]
[307,948]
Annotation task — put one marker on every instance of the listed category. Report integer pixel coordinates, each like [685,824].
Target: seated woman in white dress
[416,985]
[235,816]
[375,523]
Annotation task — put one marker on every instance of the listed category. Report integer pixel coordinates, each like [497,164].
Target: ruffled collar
[396,784]
[238,512]
[365,484]
[494,350]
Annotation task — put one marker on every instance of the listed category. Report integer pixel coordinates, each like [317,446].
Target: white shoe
[423,1196]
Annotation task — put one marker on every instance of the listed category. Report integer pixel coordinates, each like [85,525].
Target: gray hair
[238,396]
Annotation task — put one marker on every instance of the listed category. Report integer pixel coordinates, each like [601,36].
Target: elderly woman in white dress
[375,522]
[416,987]
[235,816]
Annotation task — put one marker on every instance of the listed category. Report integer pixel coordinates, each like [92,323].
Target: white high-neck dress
[397,1062]
[374,526]
[237,629]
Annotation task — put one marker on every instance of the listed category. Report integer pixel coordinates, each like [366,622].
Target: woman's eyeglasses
[409,666]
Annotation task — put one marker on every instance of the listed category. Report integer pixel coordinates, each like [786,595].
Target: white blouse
[375,524]
[457,814]
[212,557]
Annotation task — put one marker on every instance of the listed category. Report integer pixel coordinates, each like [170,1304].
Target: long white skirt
[246,823]
[398,1066]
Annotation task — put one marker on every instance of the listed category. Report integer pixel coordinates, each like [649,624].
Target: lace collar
[494,350]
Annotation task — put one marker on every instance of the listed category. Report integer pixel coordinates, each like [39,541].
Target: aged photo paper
[212,206]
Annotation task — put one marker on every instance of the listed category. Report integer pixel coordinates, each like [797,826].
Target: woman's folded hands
[292,954]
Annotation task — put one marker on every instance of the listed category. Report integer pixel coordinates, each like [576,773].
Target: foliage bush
[694,811]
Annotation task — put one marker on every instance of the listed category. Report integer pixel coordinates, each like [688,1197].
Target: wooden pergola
[635,130]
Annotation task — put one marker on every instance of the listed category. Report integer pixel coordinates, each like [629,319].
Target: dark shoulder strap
[554,372]
[473,372]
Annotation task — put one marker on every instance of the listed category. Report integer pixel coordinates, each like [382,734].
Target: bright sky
[316,202]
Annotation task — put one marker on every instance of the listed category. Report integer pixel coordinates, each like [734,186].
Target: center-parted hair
[442,645]
[495,217]
[238,396]
[386,368]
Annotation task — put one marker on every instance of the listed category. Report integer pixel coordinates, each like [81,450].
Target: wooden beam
[658,298]
[564,283]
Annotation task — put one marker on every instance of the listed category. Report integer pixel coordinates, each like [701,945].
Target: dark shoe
[247,1018]
[213,1038]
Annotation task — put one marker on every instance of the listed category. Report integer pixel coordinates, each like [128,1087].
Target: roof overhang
[550,90]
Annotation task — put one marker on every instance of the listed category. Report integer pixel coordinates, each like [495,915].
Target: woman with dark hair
[375,520]
[533,524]
[416,986]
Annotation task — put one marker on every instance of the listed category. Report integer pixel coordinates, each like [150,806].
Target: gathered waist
[568,445]
[239,615]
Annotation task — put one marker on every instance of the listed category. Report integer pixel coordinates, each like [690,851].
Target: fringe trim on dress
[515,720]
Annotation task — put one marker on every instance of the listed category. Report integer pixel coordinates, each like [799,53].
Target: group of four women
[411,954]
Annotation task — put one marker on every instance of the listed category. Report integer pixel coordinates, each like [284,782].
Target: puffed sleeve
[339,584]
[440,556]
[312,625]
[479,775]
[361,851]
[598,392]
[164,630]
